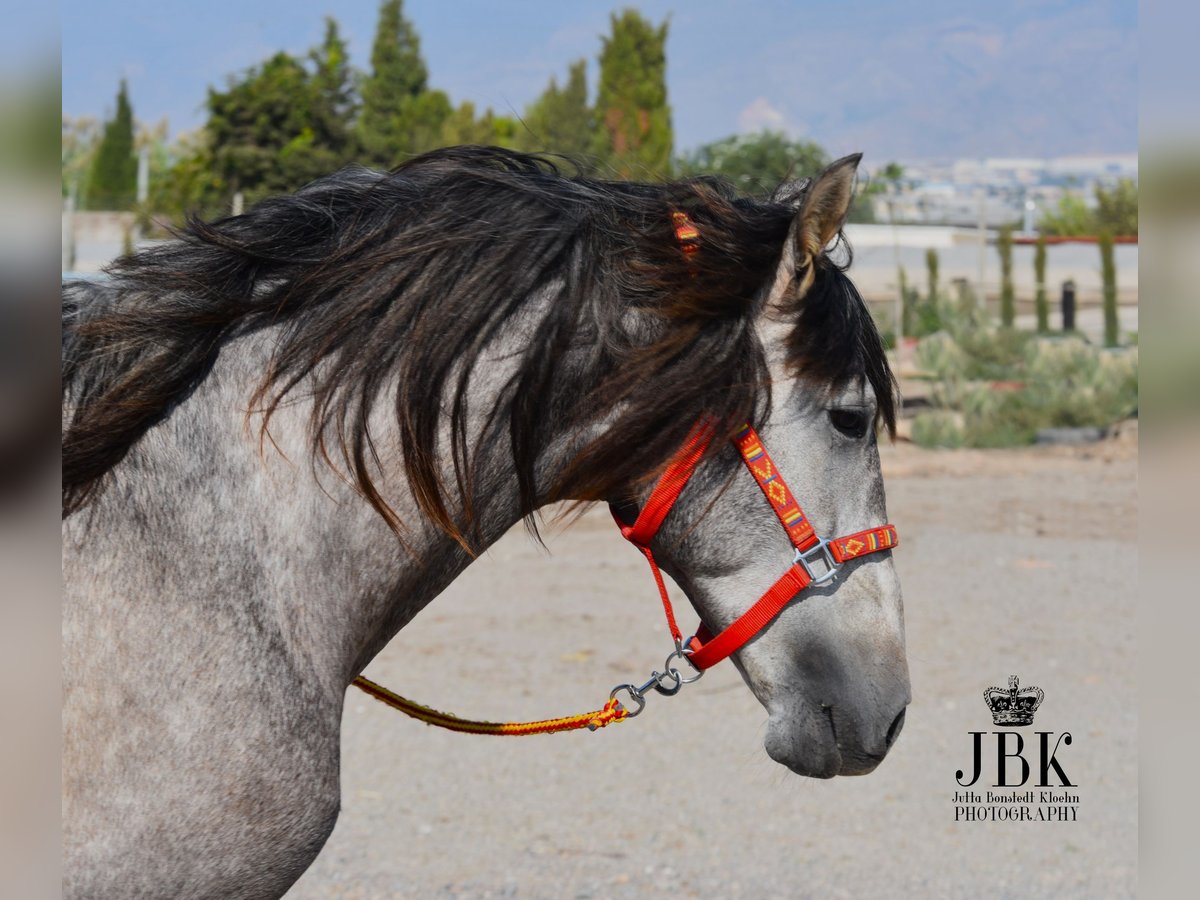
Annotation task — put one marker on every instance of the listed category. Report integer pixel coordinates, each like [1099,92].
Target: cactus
[931,268]
[1008,304]
[909,300]
[1041,302]
[1108,273]
[928,312]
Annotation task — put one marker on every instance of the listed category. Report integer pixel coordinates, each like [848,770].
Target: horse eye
[850,422]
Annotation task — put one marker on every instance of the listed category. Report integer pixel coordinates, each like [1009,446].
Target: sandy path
[1012,562]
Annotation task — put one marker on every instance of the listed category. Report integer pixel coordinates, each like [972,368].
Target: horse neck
[254,525]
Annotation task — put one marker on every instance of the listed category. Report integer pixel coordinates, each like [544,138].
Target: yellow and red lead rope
[612,711]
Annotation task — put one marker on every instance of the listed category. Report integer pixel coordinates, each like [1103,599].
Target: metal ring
[634,694]
[685,656]
[668,682]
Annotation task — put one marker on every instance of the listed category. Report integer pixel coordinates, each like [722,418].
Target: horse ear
[824,209]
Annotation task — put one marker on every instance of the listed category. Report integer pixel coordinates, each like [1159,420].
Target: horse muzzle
[828,741]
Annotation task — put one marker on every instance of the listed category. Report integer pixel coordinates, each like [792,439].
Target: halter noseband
[817,559]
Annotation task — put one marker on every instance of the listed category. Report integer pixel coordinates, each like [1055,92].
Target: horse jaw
[831,673]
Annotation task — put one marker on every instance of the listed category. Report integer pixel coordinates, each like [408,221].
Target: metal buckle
[667,682]
[806,558]
[635,696]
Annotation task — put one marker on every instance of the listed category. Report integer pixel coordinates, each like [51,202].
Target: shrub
[1053,382]
[1076,384]
[996,354]
[938,428]
[941,355]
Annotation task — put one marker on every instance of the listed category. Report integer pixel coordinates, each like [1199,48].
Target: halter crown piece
[817,561]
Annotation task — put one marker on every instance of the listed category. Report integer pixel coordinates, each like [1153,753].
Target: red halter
[817,559]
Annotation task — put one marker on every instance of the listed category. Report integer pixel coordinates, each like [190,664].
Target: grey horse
[286,432]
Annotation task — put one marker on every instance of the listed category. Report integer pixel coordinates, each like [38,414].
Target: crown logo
[1014,706]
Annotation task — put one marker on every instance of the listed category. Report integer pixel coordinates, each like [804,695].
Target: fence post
[1068,305]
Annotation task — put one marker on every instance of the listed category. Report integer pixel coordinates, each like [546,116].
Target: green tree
[560,121]
[1070,217]
[1117,208]
[462,126]
[1108,275]
[886,180]
[334,94]
[1041,302]
[113,179]
[397,117]
[890,176]
[1008,302]
[190,183]
[426,115]
[633,136]
[755,163]
[261,129]
[1116,211]
[504,129]
[152,140]
[80,138]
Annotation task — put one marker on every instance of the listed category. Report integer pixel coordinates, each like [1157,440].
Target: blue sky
[934,79]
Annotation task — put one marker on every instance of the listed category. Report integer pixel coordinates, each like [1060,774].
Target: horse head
[830,668]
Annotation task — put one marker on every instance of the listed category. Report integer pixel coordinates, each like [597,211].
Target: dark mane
[378,280]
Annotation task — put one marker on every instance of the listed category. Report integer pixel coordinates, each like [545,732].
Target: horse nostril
[894,730]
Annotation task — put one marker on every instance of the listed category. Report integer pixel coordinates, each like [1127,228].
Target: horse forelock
[834,340]
[399,282]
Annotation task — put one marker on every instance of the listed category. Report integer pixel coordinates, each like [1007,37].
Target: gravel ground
[1013,562]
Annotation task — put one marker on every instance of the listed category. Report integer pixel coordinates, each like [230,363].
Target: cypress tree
[559,121]
[333,102]
[634,134]
[113,182]
[463,127]
[425,119]
[391,93]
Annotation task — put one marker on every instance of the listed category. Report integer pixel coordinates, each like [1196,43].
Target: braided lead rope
[612,711]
